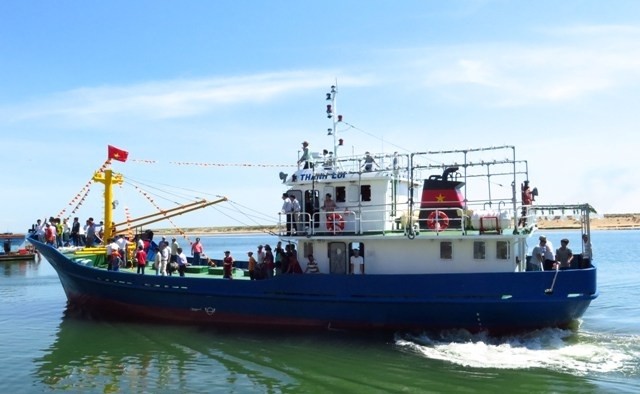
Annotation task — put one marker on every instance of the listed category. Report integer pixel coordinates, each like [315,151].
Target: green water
[47,347]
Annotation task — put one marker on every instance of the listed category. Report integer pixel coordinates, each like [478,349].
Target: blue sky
[243,82]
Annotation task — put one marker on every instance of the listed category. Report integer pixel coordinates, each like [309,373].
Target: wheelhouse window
[446,250]
[365,192]
[479,250]
[502,250]
[341,194]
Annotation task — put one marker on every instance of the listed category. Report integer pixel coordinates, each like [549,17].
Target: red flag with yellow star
[116,153]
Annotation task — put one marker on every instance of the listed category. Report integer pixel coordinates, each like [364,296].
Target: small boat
[14,248]
[427,240]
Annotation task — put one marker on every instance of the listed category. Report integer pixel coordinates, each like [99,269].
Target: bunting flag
[117,154]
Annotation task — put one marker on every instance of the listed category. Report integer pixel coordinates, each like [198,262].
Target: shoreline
[608,222]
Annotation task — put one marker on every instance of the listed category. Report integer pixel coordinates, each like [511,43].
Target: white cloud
[170,99]
[564,64]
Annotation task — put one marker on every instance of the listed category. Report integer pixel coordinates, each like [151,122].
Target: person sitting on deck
[312,266]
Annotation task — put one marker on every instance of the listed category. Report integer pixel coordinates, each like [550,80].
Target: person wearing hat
[227,265]
[542,258]
[564,254]
[306,156]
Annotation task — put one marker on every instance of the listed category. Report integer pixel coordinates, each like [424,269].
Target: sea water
[49,347]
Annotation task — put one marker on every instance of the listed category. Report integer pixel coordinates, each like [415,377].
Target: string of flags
[198,164]
[179,230]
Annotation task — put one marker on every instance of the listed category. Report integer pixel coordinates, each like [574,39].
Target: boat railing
[479,217]
[398,163]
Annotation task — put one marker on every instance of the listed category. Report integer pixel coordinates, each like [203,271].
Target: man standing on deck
[542,255]
[75,232]
[174,250]
[287,209]
[196,251]
[356,263]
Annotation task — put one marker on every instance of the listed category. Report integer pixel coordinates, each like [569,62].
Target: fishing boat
[427,240]
[14,248]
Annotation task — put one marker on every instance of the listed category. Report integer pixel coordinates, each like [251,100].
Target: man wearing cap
[306,156]
[542,257]
[564,254]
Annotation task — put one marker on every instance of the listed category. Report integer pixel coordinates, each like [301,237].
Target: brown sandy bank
[605,222]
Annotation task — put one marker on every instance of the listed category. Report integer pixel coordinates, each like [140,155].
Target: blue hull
[493,302]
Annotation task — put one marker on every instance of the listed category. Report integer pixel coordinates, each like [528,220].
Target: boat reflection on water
[114,357]
[19,268]
[90,354]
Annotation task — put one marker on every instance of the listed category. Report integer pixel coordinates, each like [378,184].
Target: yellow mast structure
[108,179]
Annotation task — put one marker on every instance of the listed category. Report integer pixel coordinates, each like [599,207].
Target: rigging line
[164,197]
[245,224]
[147,194]
[376,137]
[252,210]
[234,210]
[175,187]
[253,218]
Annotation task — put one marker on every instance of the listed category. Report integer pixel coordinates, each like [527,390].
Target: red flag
[117,154]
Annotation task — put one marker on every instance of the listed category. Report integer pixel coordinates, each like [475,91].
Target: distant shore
[606,222]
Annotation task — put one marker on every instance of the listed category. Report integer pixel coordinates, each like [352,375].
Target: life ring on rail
[335,222]
[438,220]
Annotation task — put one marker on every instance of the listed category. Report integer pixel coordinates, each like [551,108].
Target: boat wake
[578,353]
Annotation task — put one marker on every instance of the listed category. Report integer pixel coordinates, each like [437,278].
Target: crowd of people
[543,257]
[60,233]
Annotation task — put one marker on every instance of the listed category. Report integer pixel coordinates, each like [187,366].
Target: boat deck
[200,271]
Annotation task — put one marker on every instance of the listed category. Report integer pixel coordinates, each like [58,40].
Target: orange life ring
[335,222]
[438,220]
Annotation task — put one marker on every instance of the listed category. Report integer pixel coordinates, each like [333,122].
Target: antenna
[335,119]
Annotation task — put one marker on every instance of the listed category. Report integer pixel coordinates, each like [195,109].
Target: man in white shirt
[112,258]
[542,257]
[287,209]
[356,263]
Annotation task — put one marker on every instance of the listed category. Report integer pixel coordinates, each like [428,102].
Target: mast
[108,178]
[331,111]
